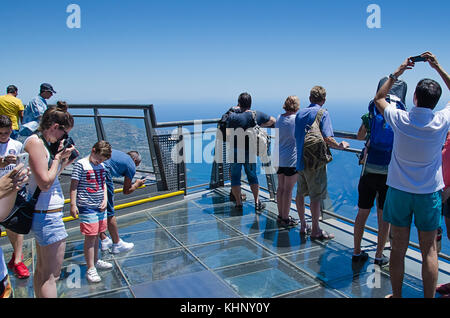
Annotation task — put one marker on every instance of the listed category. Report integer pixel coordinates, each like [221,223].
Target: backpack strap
[254,118]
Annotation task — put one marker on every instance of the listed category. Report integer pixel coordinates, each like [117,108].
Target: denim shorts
[48,228]
[250,171]
[401,206]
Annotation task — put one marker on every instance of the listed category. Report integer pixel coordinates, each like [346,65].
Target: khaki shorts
[313,183]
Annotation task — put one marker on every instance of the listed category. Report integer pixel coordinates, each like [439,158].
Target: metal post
[155,152]
[101,135]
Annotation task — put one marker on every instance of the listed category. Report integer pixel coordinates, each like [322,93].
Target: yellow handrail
[124,205]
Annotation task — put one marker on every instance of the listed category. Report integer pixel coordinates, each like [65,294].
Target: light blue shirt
[287,150]
[35,109]
[120,165]
[304,118]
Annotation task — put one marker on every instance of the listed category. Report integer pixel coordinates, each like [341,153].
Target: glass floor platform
[201,247]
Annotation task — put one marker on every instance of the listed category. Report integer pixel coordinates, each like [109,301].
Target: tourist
[241,121]
[12,107]
[119,165]
[372,183]
[415,185]
[35,109]
[313,182]
[9,149]
[287,161]
[88,199]
[9,185]
[444,289]
[48,227]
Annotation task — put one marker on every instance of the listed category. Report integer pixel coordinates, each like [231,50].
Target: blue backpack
[381,135]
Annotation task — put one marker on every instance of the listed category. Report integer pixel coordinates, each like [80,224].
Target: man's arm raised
[435,64]
[380,98]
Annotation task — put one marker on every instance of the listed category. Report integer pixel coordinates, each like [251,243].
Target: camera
[68,142]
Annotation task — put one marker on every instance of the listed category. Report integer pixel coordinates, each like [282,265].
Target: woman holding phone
[48,227]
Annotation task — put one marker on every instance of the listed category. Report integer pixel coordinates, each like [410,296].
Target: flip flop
[323,236]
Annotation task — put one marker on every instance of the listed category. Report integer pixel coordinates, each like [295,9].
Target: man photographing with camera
[415,177]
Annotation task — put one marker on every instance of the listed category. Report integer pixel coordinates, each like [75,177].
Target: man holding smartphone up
[9,150]
[415,185]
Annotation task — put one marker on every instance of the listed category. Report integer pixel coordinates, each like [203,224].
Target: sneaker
[106,244]
[362,257]
[21,271]
[11,261]
[381,262]
[92,275]
[121,247]
[103,265]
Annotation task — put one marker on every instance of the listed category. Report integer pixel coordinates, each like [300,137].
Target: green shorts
[400,206]
[313,183]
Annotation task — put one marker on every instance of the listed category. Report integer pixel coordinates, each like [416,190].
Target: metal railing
[160,144]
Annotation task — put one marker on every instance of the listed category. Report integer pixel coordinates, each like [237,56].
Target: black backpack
[222,125]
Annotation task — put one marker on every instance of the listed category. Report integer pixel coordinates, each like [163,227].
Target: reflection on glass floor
[203,247]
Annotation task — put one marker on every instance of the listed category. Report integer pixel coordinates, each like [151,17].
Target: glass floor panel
[224,252]
[267,278]
[230,252]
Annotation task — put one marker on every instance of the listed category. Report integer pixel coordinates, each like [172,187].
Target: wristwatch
[393,76]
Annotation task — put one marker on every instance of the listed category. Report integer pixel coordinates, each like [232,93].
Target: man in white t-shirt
[9,149]
[415,173]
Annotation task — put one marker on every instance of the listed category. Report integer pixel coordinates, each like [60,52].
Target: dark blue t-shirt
[245,120]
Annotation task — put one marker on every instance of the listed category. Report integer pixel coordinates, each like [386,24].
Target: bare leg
[90,243]
[255,191]
[427,243]
[280,193]
[113,229]
[383,232]
[300,203]
[17,244]
[358,230]
[400,240]
[48,268]
[237,194]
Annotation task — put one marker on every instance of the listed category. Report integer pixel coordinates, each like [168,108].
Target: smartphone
[418,58]
[23,158]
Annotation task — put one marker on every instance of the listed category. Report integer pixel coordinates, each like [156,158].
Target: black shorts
[287,171]
[369,186]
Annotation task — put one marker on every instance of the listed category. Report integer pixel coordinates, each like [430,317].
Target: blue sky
[196,52]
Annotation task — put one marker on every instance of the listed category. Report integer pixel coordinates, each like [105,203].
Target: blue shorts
[250,171]
[400,206]
[48,228]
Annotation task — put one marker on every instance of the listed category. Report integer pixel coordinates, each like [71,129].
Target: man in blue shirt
[119,165]
[313,183]
[34,110]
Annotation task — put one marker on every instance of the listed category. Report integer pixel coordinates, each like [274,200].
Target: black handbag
[21,217]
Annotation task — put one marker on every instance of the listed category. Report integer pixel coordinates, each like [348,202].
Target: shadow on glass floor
[204,247]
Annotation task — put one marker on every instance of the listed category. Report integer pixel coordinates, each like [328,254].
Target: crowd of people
[46,132]
[406,183]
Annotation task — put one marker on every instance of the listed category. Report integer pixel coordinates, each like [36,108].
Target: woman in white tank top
[48,227]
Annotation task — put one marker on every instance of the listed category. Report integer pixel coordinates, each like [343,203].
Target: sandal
[443,289]
[323,236]
[243,197]
[289,222]
[307,231]
[259,207]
